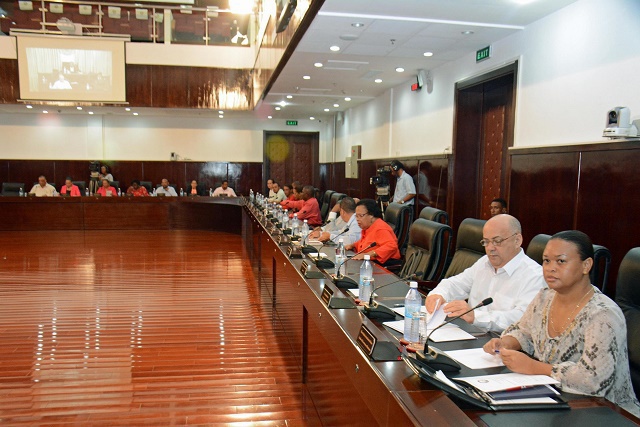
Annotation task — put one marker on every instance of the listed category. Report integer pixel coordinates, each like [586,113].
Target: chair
[468,247]
[628,298]
[148,185]
[427,250]
[433,214]
[324,204]
[115,184]
[536,246]
[82,186]
[10,189]
[398,216]
[335,199]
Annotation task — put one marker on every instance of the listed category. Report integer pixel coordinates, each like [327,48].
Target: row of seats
[12,189]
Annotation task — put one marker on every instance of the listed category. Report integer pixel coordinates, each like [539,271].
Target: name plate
[366,340]
[293,252]
[327,293]
[304,268]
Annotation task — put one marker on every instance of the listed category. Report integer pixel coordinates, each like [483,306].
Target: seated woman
[106,190]
[194,189]
[136,190]
[374,230]
[69,188]
[571,331]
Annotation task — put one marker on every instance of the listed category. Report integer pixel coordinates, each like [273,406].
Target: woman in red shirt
[70,189]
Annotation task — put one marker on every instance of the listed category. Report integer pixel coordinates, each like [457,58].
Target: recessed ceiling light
[336,105]
[79,108]
[347,99]
[278,108]
[318,65]
[378,80]
[327,110]
[269,117]
[29,106]
[282,103]
[334,48]
[91,112]
[312,118]
[220,112]
[45,112]
[467,33]
[400,70]
[135,114]
[221,116]
[428,54]
[127,109]
[306,77]
[289,96]
[357,24]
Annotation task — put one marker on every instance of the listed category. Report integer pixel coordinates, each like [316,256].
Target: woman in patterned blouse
[571,331]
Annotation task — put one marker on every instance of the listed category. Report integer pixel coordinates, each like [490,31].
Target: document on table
[446,333]
[475,358]
[489,383]
[433,320]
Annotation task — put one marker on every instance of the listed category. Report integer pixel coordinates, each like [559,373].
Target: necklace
[570,318]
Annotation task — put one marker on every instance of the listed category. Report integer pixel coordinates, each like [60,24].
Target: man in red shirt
[374,229]
[310,209]
[294,202]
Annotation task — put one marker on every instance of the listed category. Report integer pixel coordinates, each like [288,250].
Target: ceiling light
[318,65]
[357,24]
[400,70]
[221,116]
[135,114]
[428,54]
[312,118]
[29,106]
[269,117]
[278,108]
[79,108]
[127,109]
[347,99]
[378,80]
[45,112]
[467,33]
[241,7]
[91,112]
[327,110]
[334,48]
[306,77]
[283,103]
[220,112]
[336,105]
[289,96]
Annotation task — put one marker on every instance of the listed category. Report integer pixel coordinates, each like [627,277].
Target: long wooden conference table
[347,387]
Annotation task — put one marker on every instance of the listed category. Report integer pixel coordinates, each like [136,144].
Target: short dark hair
[578,238]
[348,204]
[223,181]
[68,178]
[276,183]
[371,206]
[503,202]
[135,181]
[396,164]
[288,186]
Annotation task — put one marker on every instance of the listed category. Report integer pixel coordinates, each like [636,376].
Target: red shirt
[386,241]
[140,192]
[103,191]
[74,192]
[310,211]
[292,203]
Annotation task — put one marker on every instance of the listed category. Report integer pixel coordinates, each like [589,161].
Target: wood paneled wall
[241,176]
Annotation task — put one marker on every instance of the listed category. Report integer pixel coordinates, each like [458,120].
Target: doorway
[291,156]
[483,133]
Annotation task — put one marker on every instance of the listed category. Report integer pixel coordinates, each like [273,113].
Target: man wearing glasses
[505,273]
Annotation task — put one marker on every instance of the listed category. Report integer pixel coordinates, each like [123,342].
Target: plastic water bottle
[154,192]
[119,193]
[285,219]
[211,192]
[341,255]
[86,192]
[181,192]
[412,304]
[304,231]
[366,272]
[21,192]
[295,225]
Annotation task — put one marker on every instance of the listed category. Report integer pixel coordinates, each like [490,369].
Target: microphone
[310,249]
[435,358]
[344,282]
[323,262]
[378,311]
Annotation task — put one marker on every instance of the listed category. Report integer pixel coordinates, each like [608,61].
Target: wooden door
[291,156]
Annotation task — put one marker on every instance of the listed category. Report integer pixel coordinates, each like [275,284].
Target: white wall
[574,66]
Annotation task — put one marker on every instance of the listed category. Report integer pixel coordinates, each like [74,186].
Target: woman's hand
[493,347]
[523,364]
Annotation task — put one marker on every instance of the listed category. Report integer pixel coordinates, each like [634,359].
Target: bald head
[502,235]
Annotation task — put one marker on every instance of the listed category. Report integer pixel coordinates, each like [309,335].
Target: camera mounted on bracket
[619,124]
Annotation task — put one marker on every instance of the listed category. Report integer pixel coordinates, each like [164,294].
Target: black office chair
[628,298]
[82,186]
[148,185]
[335,199]
[398,216]
[324,204]
[433,214]
[536,246]
[468,247]
[427,250]
[11,189]
[115,184]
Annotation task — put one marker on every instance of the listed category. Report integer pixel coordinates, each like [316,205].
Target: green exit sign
[292,123]
[483,53]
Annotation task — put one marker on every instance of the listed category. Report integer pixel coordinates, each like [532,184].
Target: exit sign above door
[484,53]
[292,123]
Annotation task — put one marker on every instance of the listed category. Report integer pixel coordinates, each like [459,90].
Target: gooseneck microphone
[311,249]
[435,358]
[378,311]
[344,282]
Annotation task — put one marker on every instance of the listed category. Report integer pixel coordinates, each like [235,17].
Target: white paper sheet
[446,333]
[489,383]
[433,320]
[475,358]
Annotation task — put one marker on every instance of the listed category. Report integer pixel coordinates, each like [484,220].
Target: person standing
[405,190]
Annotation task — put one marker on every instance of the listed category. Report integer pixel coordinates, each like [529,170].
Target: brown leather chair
[433,214]
[468,247]
[398,216]
[427,251]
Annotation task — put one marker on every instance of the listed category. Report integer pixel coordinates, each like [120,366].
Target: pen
[522,387]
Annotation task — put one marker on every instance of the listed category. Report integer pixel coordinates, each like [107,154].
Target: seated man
[166,189]
[374,229]
[136,189]
[505,273]
[42,189]
[278,193]
[69,188]
[288,192]
[498,206]
[335,229]
[310,209]
[106,190]
[295,202]
[224,190]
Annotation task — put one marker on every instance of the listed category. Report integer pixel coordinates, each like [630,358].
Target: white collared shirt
[337,226]
[404,186]
[512,288]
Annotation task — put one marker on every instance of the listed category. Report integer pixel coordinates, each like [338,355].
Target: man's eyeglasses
[496,241]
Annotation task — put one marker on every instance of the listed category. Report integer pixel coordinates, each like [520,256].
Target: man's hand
[456,308]
[433,301]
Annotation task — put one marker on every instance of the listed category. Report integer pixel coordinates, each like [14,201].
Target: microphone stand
[324,263]
[307,249]
[374,310]
[344,282]
[437,359]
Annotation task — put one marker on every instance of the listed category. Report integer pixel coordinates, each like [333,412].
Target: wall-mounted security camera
[619,124]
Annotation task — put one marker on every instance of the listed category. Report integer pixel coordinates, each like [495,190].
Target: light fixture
[45,112]
[336,105]
[326,110]
[29,106]
[466,33]
[282,103]
[127,109]
[357,25]
[91,112]
[347,99]
[306,77]
[318,65]
[378,80]
[400,70]
[79,108]
[220,112]
[135,114]
[269,117]
[289,96]
[427,54]
[334,48]
[221,116]
[278,108]
[312,118]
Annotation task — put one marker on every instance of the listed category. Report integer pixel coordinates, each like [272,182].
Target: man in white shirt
[335,229]
[505,274]
[405,190]
[224,190]
[166,189]
[42,189]
[278,195]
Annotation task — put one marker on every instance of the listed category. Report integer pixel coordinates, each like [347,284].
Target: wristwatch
[401,202]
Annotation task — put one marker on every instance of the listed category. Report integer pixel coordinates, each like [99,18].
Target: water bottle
[86,192]
[119,193]
[366,272]
[21,192]
[412,304]
[295,225]
[341,256]
[211,192]
[181,192]
[304,231]
[154,192]
[285,219]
